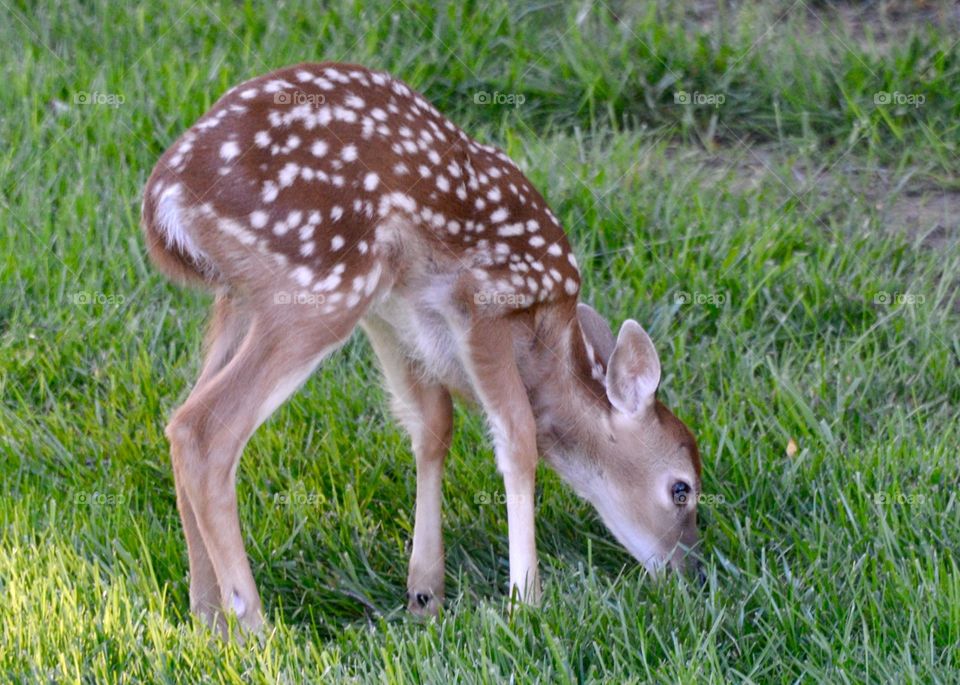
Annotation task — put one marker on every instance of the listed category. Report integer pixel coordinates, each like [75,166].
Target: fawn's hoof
[244,629]
[211,617]
[424,603]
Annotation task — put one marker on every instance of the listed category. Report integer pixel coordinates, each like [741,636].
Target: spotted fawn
[321,197]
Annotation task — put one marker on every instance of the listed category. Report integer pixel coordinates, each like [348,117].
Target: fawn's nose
[686,558]
[689,564]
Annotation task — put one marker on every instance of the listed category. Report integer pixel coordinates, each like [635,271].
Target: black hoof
[421,598]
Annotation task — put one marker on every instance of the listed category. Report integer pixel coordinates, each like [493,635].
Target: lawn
[770,188]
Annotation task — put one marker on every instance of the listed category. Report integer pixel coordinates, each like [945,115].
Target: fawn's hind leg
[227,328]
[207,434]
[426,411]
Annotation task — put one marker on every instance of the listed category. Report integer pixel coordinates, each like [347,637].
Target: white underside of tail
[172,224]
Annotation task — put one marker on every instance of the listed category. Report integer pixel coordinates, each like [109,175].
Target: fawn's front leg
[488,354]
[426,411]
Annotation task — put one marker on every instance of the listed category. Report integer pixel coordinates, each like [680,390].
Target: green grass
[776,246]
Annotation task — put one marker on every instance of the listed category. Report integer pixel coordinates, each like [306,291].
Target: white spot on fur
[303,275]
[508,230]
[229,150]
[270,191]
[258,219]
[288,173]
[499,215]
[328,283]
[233,228]
[344,114]
[276,86]
[335,75]
[239,606]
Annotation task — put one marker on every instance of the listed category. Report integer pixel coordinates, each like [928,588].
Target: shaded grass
[783,69]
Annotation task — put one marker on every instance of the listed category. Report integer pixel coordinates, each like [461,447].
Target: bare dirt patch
[905,201]
[880,23]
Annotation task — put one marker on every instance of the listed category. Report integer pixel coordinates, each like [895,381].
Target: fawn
[321,197]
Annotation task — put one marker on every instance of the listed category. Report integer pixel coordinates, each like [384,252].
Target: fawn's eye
[681,493]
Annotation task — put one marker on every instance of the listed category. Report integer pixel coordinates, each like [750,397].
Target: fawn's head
[636,462]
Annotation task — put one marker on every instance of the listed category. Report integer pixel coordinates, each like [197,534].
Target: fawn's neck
[567,399]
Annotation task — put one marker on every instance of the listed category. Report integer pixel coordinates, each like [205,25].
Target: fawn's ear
[597,332]
[633,373]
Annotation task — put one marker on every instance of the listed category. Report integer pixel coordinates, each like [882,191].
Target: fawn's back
[342,181]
